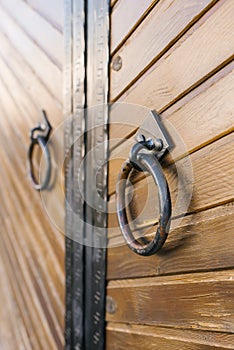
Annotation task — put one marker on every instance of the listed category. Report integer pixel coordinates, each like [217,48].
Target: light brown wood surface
[32,249]
[199,52]
[121,336]
[201,117]
[198,301]
[47,71]
[200,242]
[183,68]
[207,191]
[54,17]
[125,16]
[47,38]
[160,30]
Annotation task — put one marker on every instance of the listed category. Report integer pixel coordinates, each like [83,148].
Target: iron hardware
[144,156]
[40,140]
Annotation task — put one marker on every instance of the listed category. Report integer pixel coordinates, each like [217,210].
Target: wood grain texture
[199,301]
[13,333]
[161,28]
[121,336]
[209,190]
[204,115]
[53,11]
[37,91]
[201,51]
[125,17]
[200,242]
[48,72]
[32,248]
[47,38]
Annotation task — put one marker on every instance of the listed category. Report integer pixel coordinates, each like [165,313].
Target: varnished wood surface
[32,249]
[162,27]
[201,241]
[198,301]
[54,17]
[201,117]
[207,191]
[183,68]
[121,336]
[125,16]
[185,64]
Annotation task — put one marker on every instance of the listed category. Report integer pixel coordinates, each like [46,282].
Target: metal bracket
[44,127]
[153,133]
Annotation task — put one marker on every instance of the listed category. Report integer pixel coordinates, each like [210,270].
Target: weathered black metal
[96,172]
[41,139]
[86,84]
[143,157]
[74,104]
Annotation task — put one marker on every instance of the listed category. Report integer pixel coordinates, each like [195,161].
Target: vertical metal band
[85,225]
[96,171]
[74,103]
[68,109]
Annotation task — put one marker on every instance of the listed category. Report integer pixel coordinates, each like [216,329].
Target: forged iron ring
[42,142]
[144,159]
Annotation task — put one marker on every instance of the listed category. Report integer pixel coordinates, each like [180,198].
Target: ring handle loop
[143,158]
[41,141]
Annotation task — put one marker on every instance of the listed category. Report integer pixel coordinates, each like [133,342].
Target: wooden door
[31,248]
[175,57]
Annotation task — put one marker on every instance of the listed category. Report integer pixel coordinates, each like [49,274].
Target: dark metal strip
[68,168]
[78,154]
[96,172]
[74,78]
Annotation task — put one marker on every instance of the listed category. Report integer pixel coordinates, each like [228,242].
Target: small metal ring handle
[40,140]
[141,157]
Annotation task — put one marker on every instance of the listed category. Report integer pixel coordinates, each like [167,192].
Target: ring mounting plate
[153,128]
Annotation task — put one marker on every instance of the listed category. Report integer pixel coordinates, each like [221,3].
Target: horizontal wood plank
[202,241]
[52,11]
[160,30]
[125,17]
[48,72]
[199,301]
[204,115]
[210,190]
[25,76]
[123,336]
[204,49]
[45,36]
[13,333]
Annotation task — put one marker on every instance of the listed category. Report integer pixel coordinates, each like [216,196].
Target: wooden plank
[125,17]
[45,36]
[17,198]
[41,328]
[48,72]
[13,333]
[158,32]
[185,65]
[18,132]
[25,75]
[36,247]
[18,296]
[122,336]
[198,301]
[202,241]
[52,11]
[37,292]
[210,190]
[203,116]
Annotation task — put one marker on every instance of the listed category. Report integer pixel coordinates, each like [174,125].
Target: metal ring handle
[42,142]
[146,160]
